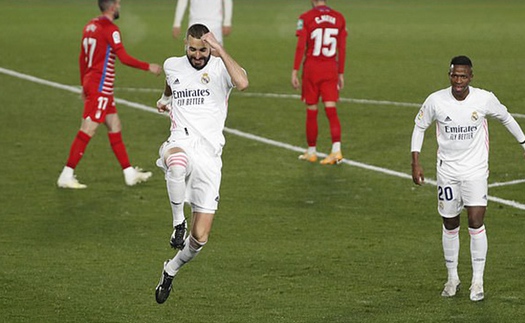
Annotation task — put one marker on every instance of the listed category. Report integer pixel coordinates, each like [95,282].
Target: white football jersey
[199,103]
[207,12]
[462,129]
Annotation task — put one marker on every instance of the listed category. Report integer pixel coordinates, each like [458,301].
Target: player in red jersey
[321,41]
[101,44]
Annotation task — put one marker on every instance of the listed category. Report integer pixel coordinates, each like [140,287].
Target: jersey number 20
[325,41]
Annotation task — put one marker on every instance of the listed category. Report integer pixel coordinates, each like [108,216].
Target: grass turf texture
[292,242]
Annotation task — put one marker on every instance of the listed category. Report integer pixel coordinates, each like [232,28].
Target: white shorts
[454,194]
[203,178]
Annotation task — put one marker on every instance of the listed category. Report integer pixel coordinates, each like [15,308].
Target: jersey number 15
[325,41]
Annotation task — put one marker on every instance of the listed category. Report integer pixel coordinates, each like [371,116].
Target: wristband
[164,100]
[522,145]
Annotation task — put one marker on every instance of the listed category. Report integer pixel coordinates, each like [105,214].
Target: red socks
[78,147]
[311,127]
[335,126]
[115,139]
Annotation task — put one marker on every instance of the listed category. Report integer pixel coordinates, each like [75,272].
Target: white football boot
[67,179]
[451,288]
[476,292]
[135,175]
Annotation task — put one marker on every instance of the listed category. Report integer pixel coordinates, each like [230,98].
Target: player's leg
[478,250]
[200,230]
[475,196]
[310,95]
[449,207]
[177,169]
[330,94]
[203,193]
[91,118]
[450,242]
[132,175]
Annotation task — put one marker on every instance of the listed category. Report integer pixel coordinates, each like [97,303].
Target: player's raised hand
[210,39]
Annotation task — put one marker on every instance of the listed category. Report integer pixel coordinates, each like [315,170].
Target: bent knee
[177,164]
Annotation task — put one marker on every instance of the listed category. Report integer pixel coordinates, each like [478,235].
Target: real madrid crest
[205,78]
[474,116]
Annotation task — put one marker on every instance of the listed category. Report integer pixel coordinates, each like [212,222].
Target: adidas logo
[177,81]
[447,119]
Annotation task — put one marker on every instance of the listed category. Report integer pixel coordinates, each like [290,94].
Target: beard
[116,15]
[199,67]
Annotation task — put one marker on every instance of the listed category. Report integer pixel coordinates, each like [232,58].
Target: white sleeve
[228,12]
[499,111]
[514,128]
[179,12]
[417,139]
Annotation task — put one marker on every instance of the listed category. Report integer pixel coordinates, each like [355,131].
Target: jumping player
[196,95]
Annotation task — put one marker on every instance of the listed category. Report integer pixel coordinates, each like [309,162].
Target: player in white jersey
[196,95]
[462,164]
[214,14]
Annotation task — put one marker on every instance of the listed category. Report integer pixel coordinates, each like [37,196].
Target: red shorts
[98,105]
[320,80]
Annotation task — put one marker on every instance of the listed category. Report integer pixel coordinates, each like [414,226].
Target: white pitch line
[517,181]
[246,135]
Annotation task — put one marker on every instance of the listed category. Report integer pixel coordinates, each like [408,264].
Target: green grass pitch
[292,242]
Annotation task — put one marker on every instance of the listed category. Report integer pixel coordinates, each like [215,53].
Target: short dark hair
[461,60]
[197,31]
[105,4]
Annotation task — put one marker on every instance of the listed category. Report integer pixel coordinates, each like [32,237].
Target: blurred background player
[460,113]
[101,42]
[321,41]
[196,95]
[214,14]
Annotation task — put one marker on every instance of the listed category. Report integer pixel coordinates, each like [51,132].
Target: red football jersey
[322,32]
[101,42]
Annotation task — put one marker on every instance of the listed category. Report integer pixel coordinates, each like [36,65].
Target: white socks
[450,241]
[176,184]
[478,252]
[336,146]
[191,248]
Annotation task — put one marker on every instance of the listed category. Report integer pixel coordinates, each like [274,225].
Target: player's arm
[500,112]
[237,73]
[163,104]
[227,20]
[514,128]
[418,134]
[129,60]
[298,58]
[180,9]
[341,55]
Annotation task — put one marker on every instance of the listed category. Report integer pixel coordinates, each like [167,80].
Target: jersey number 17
[89,45]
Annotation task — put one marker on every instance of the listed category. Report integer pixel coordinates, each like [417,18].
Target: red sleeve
[301,43]
[299,51]
[114,39]
[341,50]
[82,64]
[126,59]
